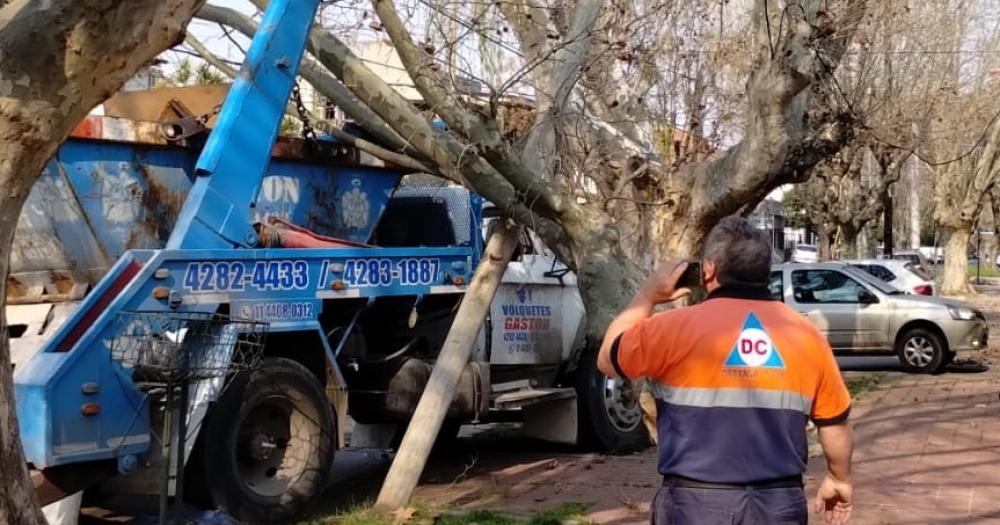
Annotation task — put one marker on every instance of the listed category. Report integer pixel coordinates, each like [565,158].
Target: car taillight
[923,289]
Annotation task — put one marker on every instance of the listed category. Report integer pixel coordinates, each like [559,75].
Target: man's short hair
[741,252]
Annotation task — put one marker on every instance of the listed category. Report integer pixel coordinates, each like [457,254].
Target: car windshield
[873,281]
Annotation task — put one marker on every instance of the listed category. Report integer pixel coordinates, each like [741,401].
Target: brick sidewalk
[927,451]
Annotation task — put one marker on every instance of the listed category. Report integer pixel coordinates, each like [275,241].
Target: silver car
[860,314]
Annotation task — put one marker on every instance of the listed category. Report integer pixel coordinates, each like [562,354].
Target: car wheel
[609,415]
[269,443]
[922,351]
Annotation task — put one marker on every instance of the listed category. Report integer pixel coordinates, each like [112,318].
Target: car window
[872,281]
[881,272]
[876,270]
[776,286]
[919,271]
[824,286]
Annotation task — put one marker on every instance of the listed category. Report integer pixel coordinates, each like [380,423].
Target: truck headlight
[962,313]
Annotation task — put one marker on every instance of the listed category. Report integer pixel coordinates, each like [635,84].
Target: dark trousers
[696,506]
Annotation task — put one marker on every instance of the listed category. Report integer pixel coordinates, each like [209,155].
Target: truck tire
[269,442]
[609,415]
[922,351]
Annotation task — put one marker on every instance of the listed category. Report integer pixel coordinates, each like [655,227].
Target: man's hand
[661,286]
[833,500]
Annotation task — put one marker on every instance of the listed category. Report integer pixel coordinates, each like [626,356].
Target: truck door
[528,311]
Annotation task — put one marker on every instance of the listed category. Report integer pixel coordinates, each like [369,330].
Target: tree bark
[825,243]
[955,276]
[887,235]
[993,246]
[848,245]
[914,201]
[58,59]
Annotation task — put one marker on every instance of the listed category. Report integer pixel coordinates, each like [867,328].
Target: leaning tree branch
[400,160]
[477,129]
[788,129]
[325,84]
[452,157]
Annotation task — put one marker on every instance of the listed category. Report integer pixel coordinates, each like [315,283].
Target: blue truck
[296,293]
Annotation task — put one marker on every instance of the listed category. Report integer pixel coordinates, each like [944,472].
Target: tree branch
[786,133]
[325,126]
[325,84]
[482,133]
[451,157]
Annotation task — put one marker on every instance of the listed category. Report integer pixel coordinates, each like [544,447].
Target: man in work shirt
[735,379]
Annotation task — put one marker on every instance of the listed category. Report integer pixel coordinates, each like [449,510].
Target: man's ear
[708,271]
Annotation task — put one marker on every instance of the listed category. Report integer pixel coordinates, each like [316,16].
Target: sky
[213,36]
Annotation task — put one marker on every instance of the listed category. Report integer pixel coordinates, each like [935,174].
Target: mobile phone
[691,278]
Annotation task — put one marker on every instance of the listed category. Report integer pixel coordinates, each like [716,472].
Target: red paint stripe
[98,307]
[91,127]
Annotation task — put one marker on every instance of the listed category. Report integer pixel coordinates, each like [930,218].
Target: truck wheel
[608,409]
[921,351]
[269,443]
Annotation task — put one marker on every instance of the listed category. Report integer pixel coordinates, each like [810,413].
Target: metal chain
[203,119]
[308,133]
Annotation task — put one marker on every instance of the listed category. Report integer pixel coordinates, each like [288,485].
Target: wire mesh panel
[172,347]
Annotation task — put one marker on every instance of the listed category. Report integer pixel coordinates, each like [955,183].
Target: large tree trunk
[914,198]
[887,232]
[825,243]
[992,245]
[988,257]
[58,59]
[848,242]
[955,277]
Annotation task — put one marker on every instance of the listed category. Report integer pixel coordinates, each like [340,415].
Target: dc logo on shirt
[754,348]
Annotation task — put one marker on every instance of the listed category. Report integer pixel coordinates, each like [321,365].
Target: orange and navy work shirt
[735,379]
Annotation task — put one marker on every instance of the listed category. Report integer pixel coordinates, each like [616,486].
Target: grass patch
[858,385]
[573,512]
[360,515]
[984,271]
[477,517]
[563,514]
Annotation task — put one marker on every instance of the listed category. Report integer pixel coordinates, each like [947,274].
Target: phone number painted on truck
[236,276]
[387,272]
[275,310]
